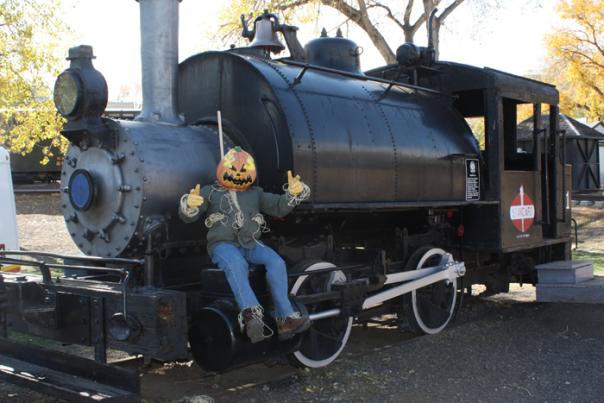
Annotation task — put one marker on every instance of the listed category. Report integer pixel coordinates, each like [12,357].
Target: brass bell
[265,35]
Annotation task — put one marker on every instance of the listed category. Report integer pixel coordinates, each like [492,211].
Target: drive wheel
[430,309]
[326,338]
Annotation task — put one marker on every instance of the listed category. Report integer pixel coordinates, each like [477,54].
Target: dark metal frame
[65,375]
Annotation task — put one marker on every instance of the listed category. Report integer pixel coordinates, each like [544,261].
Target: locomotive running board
[66,376]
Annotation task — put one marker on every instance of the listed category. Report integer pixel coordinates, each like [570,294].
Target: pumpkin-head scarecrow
[234,211]
[237,170]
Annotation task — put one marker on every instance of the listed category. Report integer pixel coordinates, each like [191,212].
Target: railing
[125,268]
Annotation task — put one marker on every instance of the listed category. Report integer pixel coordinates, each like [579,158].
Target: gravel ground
[41,225]
[506,348]
[511,353]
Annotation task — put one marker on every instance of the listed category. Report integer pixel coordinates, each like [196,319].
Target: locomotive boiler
[406,213]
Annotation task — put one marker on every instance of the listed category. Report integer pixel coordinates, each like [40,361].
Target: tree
[407,15]
[28,31]
[576,63]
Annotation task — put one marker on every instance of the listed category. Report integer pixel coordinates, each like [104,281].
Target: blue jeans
[233,261]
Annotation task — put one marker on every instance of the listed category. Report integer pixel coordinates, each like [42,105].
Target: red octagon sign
[522,211]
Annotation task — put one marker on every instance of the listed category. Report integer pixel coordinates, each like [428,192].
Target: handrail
[72,257]
[362,77]
[124,272]
[576,232]
[44,266]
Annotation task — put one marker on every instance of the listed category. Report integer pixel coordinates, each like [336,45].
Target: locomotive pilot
[234,219]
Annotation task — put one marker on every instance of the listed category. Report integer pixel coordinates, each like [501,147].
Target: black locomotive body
[406,213]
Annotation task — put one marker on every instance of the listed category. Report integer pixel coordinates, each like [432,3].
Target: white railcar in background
[8,214]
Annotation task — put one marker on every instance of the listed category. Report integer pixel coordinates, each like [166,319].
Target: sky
[510,38]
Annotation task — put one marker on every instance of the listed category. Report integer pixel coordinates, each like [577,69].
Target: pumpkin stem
[238,149]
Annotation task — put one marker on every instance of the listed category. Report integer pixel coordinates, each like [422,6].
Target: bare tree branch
[449,10]
[408,9]
[362,7]
[361,18]
[389,14]
[287,5]
[422,19]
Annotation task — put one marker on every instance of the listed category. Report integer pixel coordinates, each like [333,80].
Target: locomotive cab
[528,187]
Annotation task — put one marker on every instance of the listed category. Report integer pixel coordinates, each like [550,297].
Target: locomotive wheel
[326,338]
[430,309]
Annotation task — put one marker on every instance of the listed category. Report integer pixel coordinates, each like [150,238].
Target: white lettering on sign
[522,212]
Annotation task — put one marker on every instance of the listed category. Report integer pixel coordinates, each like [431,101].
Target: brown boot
[290,325]
[251,323]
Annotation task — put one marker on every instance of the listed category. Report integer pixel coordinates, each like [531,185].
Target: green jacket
[235,216]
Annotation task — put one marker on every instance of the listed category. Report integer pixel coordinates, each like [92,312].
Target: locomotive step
[586,292]
[565,272]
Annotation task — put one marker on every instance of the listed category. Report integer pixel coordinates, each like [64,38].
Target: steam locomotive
[406,213]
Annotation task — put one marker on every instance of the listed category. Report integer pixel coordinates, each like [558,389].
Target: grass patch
[597,257]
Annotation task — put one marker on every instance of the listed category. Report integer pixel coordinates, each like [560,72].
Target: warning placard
[472,180]
[522,211]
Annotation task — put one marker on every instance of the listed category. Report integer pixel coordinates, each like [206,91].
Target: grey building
[582,148]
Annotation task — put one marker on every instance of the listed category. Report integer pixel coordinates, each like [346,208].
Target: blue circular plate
[81,189]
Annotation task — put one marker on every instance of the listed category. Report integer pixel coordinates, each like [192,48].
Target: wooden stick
[220,138]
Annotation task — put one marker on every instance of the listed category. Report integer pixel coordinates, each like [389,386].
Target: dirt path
[519,352]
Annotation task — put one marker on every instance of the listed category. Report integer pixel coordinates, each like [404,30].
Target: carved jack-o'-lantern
[237,170]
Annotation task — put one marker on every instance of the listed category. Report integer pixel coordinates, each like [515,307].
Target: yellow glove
[294,184]
[194,200]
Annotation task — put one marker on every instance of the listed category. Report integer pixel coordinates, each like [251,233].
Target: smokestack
[159,60]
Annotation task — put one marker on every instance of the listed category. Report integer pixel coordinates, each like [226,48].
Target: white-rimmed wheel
[326,338]
[430,309]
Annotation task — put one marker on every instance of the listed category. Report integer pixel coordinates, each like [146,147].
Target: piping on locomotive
[406,211]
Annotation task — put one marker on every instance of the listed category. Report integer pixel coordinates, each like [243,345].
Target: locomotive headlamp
[80,91]
[67,93]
